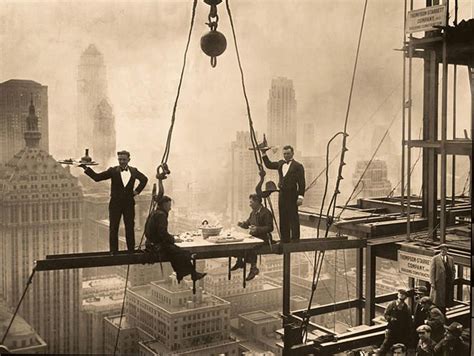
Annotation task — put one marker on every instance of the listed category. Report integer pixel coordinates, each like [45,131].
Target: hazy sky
[311,42]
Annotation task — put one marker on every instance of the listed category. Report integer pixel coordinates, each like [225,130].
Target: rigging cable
[341,164]
[178,92]
[28,282]
[166,153]
[253,137]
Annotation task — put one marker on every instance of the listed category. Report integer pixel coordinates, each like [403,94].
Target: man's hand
[299,201]
[241,224]
[253,230]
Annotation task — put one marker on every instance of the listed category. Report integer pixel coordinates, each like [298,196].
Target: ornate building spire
[32,134]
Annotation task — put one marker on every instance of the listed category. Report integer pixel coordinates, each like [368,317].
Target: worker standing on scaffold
[292,187]
[160,241]
[122,200]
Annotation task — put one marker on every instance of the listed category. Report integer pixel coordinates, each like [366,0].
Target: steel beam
[104,259]
[370,274]
[330,308]
[359,284]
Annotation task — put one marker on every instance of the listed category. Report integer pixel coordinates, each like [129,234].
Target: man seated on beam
[260,225]
[162,243]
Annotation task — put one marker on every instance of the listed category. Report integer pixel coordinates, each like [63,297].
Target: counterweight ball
[213,43]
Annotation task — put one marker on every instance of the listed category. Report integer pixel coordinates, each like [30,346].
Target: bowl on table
[207,230]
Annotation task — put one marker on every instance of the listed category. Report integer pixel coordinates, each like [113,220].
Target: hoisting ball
[213,43]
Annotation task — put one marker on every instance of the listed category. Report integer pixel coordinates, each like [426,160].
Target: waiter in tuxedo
[122,193]
[292,186]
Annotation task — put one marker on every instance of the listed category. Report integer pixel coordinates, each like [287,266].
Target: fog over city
[295,53]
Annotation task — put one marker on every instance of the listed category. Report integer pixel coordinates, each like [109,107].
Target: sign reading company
[424,19]
[414,265]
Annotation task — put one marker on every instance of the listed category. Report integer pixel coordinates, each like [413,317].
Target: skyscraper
[41,205]
[95,120]
[244,176]
[15,96]
[104,133]
[375,182]
[281,113]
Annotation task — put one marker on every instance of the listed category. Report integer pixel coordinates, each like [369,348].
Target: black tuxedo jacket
[293,181]
[117,190]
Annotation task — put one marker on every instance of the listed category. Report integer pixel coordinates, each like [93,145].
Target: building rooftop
[161,349]
[208,300]
[115,320]
[20,82]
[95,302]
[103,283]
[259,317]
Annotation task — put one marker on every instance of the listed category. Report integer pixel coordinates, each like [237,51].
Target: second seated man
[260,225]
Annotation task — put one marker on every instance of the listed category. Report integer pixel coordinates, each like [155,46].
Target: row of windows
[44,212]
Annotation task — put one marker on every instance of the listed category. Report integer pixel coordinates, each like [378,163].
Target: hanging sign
[414,265]
[425,19]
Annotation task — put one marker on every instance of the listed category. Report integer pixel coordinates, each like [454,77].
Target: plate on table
[225,239]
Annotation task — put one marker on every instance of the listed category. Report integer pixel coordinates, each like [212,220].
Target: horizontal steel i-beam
[104,259]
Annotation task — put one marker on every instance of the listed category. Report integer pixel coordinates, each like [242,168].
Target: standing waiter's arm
[269,164]
[97,177]
[301,181]
[143,180]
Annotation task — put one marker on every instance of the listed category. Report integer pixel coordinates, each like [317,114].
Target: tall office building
[281,113]
[179,322]
[41,205]
[244,176]
[375,182]
[95,120]
[15,96]
[104,145]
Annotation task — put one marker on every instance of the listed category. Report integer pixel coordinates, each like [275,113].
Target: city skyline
[104,76]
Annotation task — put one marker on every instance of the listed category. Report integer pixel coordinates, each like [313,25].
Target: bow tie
[288,162]
[123,169]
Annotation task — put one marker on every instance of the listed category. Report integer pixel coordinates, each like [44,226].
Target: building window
[55,215]
[65,210]
[14,215]
[35,213]
[24,214]
[45,211]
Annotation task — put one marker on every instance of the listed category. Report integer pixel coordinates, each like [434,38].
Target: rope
[121,312]
[367,166]
[332,204]
[28,282]
[253,137]
[173,116]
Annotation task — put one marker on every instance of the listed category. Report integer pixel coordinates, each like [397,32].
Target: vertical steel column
[410,65]
[359,283]
[453,160]
[459,289]
[444,120]
[430,133]
[286,302]
[402,181]
[370,273]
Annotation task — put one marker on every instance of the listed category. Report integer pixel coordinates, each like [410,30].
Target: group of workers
[159,241]
[425,329]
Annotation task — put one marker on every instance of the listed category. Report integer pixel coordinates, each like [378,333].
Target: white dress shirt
[286,167]
[126,175]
